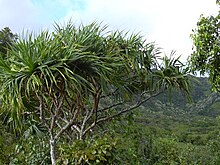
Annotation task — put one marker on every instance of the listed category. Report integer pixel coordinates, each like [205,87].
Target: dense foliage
[71,80]
[61,89]
[206,41]
[6,40]
[159,132]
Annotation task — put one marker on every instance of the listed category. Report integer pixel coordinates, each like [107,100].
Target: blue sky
[168,23]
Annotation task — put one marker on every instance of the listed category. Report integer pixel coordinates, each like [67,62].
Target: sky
[168,23]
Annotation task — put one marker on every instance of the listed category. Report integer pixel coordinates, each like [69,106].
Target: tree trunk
[52,151]
[80,135]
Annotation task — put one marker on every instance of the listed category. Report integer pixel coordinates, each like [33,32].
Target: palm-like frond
[172,74]
[75,63]
[60,78]
[64,61]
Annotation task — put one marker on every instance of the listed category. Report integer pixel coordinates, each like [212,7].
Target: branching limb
[111,106]
[69,124]
[42,118]
[138,103]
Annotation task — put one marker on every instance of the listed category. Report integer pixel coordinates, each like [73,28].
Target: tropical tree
[75,78]
[206,55]
[6,39]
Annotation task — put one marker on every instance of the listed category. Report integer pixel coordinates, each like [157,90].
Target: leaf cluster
[71,63]
[206,41]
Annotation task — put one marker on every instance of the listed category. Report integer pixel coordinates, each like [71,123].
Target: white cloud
[33,15]
[17,14]
[169,22]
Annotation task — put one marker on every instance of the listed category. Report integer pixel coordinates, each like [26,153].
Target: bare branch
[89,115]
[138,103]
[69,124]
[86,117]
[64,128]
[68,135]
[41,111]
[111,106]
[75,127]
[110,94]
[58,105]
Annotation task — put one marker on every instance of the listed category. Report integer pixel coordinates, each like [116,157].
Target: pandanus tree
[64,78]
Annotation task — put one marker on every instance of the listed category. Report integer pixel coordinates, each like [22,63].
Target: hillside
[199,114]
[177,131]
[160,132]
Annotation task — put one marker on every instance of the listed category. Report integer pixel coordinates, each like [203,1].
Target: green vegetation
[158,132]
[165,133]
[205,57]
[6,40]
[64,84]
[86,95]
